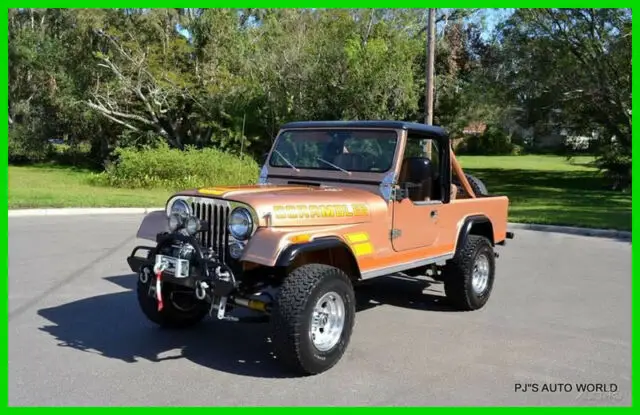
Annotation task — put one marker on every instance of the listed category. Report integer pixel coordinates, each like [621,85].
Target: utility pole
[429,85]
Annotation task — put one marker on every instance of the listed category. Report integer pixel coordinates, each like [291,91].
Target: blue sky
[491,18]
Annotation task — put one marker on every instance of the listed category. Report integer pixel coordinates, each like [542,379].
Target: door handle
[434,214]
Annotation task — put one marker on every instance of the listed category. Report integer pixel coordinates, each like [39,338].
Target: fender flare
[469,223]
[291,252]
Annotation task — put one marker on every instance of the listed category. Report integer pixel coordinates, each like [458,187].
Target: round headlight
[175,221]
[180,207]
[235,250]
[240,224]
[192,225]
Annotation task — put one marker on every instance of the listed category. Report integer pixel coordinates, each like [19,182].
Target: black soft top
[431,130]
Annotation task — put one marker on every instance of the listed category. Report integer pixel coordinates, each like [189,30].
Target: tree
[572,68]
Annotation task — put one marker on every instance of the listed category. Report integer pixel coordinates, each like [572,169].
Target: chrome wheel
[327,321]
[480,277]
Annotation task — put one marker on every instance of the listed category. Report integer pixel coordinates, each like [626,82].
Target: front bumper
[203,265]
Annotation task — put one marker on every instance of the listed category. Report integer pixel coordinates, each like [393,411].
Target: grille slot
[216,236]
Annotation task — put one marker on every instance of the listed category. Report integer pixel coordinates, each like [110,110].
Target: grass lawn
[47,186]
[552,190]
[542,189]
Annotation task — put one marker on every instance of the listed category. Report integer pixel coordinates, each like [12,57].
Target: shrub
[616,166]
[23,149]
[494,141]
[173,169]
[78,155]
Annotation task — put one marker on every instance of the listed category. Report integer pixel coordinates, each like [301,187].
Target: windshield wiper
[285,160]
[333,165]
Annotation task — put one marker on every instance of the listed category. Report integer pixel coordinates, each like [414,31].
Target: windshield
[339,150]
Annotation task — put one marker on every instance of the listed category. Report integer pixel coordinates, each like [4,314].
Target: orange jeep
[337,203]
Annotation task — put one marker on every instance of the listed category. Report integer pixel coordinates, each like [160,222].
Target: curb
[572,230]
[604,233]
[15,213]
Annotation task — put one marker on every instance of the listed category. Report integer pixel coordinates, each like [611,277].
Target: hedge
[174,169]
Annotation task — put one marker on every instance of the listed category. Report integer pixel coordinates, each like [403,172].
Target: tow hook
[201,290]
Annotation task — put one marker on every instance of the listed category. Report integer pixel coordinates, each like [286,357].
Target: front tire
[469,276]
[313,318]
[180,308]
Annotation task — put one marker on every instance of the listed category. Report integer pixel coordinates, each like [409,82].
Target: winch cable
[159,271]
[159,289]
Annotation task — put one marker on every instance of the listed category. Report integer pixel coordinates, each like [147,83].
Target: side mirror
[264,158]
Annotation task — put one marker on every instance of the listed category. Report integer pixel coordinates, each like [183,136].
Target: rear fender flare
[475,225]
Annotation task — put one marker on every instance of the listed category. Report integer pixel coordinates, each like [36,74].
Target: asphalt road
[560,313]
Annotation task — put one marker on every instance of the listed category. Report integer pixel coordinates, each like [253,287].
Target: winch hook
[144,274]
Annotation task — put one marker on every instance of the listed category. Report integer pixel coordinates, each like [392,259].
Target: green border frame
[300,4]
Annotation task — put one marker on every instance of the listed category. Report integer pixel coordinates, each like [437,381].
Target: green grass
[542,189]
[50,186]
[552,190]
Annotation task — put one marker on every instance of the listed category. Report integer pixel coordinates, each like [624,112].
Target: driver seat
[416,175]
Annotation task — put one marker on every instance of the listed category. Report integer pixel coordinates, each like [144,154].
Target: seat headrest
[415,169]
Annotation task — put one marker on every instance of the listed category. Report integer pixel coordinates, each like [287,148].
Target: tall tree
[572,68]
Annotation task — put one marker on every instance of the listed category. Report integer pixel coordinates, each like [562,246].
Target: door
[415,224]
[415,217]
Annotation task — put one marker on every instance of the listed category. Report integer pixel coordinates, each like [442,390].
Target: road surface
[560,314]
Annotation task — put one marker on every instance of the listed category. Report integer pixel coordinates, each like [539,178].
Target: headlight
[235,250]
[180,207]
[175,221]
[192,225]
[240,224]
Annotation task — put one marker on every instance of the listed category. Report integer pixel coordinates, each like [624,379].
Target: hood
[299,205]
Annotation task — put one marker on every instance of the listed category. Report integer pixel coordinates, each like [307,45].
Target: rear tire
[469,276]
[477,185]
[312,319]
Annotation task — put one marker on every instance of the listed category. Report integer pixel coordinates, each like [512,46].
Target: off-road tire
[292,312]
[458,274]
[170,316]
[477,185]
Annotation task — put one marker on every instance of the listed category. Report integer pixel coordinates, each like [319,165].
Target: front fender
[268,245]
[153,224]
[288,256]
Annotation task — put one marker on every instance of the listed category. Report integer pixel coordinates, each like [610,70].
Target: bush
[616,166]
[173,169]
[494,141]
[78,155]
[22,149]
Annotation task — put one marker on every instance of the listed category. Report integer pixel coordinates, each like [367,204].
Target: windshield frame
[274,157]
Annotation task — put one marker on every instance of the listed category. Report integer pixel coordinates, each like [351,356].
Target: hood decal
[320,211]
[244,189]
[215,191]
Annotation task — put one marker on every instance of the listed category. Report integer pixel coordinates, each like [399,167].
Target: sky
[491,16]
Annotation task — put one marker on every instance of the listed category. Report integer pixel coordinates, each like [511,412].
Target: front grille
[217,235]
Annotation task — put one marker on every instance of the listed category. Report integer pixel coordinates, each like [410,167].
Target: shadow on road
[112,325]
[403,292]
